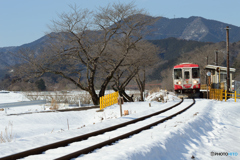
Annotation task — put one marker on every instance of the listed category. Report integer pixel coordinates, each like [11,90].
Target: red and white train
[186,79]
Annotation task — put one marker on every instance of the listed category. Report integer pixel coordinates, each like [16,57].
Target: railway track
[96,139]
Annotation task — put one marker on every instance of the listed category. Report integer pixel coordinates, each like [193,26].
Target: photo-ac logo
[224,153]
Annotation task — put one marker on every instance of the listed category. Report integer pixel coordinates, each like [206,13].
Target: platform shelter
[218,77]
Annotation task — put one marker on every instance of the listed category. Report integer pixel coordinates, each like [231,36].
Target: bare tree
[82,41]
[149,61]
[140,61]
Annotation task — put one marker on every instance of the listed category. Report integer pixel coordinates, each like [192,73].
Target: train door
[187,76]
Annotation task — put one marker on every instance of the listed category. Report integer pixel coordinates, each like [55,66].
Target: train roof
[186,65]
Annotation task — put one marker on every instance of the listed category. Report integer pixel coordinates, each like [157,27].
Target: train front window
[177,73]
[186,74]
[195,73]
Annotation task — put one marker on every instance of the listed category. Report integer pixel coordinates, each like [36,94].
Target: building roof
[213,67]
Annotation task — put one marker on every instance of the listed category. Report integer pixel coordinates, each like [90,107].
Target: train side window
[177,73]
[186,74]
[195,73]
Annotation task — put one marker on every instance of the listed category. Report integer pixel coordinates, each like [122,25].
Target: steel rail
[63,143]
[126,135]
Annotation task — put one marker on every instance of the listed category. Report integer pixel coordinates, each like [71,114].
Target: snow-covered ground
[207,127]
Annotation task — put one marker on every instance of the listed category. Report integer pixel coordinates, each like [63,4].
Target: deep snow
[208,126]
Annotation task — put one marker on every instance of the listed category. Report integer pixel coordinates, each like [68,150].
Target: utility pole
[216,57]
[227,48]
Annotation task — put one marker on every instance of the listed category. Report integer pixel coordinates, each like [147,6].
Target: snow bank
[208,126]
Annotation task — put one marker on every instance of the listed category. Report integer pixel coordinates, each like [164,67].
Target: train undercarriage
[188,93]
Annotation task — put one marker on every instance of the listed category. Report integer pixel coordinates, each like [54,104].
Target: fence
[220,94]
[237,86]
[216,94]
[213,85]
[108,100]
[61,97]
[204,87]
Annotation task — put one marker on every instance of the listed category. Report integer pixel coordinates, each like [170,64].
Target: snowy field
[208,127]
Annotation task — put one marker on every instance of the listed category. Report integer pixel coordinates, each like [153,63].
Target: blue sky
[24,21]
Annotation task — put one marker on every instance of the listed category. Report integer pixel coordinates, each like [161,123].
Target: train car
[186,79]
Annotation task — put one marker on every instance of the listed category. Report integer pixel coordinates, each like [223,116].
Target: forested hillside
[199,56]
[171,50]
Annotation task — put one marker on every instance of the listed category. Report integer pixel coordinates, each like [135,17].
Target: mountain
[190,30]
[193,28]
[6,53]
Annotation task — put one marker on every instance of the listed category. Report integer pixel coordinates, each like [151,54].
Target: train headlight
[195,82]
[179,82]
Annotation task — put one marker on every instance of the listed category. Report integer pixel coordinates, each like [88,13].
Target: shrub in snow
[54,105]
[161,98]
[7,136]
